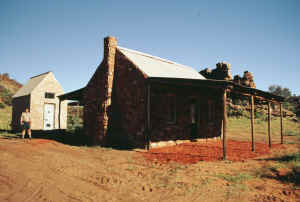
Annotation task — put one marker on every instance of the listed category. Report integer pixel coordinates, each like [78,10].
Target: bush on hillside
[5,95]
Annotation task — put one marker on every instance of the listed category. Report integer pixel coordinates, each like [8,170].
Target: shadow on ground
[73,138]
[292,161]
[66,137]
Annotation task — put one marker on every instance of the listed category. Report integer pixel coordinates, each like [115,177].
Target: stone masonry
[97,96]
[115,105]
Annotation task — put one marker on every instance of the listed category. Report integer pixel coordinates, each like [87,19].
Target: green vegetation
[241,177]
[5,118]
[292,102]
[238,113]
[2,105]
[242,126]
[74,123]
[290,164]
[278,90]
[5,95]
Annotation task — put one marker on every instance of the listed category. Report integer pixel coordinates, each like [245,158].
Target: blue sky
[66,36]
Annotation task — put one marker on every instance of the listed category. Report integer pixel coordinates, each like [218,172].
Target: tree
[278,90]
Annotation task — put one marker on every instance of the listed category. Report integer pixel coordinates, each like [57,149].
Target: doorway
[49,116]
[194,111]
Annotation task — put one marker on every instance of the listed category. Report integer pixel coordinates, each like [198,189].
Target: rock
[221,72]
[237,79]
[247,80]
[206,73]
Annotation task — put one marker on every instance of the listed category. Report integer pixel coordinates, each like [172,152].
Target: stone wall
[97,96]
[115,110]
[128,104]
[208,125]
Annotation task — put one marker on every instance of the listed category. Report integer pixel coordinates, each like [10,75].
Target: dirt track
[45,170]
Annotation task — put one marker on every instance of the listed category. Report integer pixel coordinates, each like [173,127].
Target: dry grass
[239,129]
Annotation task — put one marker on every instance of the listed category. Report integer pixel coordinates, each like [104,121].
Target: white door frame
[53,121]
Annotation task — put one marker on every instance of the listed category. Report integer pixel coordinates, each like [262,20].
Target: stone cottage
[39,94]
[139,99]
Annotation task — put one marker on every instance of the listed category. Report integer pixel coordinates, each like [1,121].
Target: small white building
[39,95]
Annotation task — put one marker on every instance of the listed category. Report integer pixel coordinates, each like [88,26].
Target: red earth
[190,153]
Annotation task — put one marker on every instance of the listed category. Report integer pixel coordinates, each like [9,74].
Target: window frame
[52,95]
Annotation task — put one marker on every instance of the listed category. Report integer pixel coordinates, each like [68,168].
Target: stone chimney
[110,45]
[99,91]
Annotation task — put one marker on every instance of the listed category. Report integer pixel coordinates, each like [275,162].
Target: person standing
[26,123]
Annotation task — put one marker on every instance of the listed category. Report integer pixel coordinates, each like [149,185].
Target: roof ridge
[40,74]
[155,57]
[31,84]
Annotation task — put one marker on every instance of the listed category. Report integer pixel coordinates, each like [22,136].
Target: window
[194,111]
[49,95]
[171,107]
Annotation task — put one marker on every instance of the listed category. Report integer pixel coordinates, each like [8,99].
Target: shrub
[74,123]
[259,115]
[5,95]
[231,112]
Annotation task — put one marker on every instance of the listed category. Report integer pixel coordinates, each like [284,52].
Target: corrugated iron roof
[31,84]
[154,66]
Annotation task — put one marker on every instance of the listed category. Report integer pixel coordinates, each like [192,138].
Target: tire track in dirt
[36,195]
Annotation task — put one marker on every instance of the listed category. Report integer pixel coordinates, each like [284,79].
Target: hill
[8,87]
